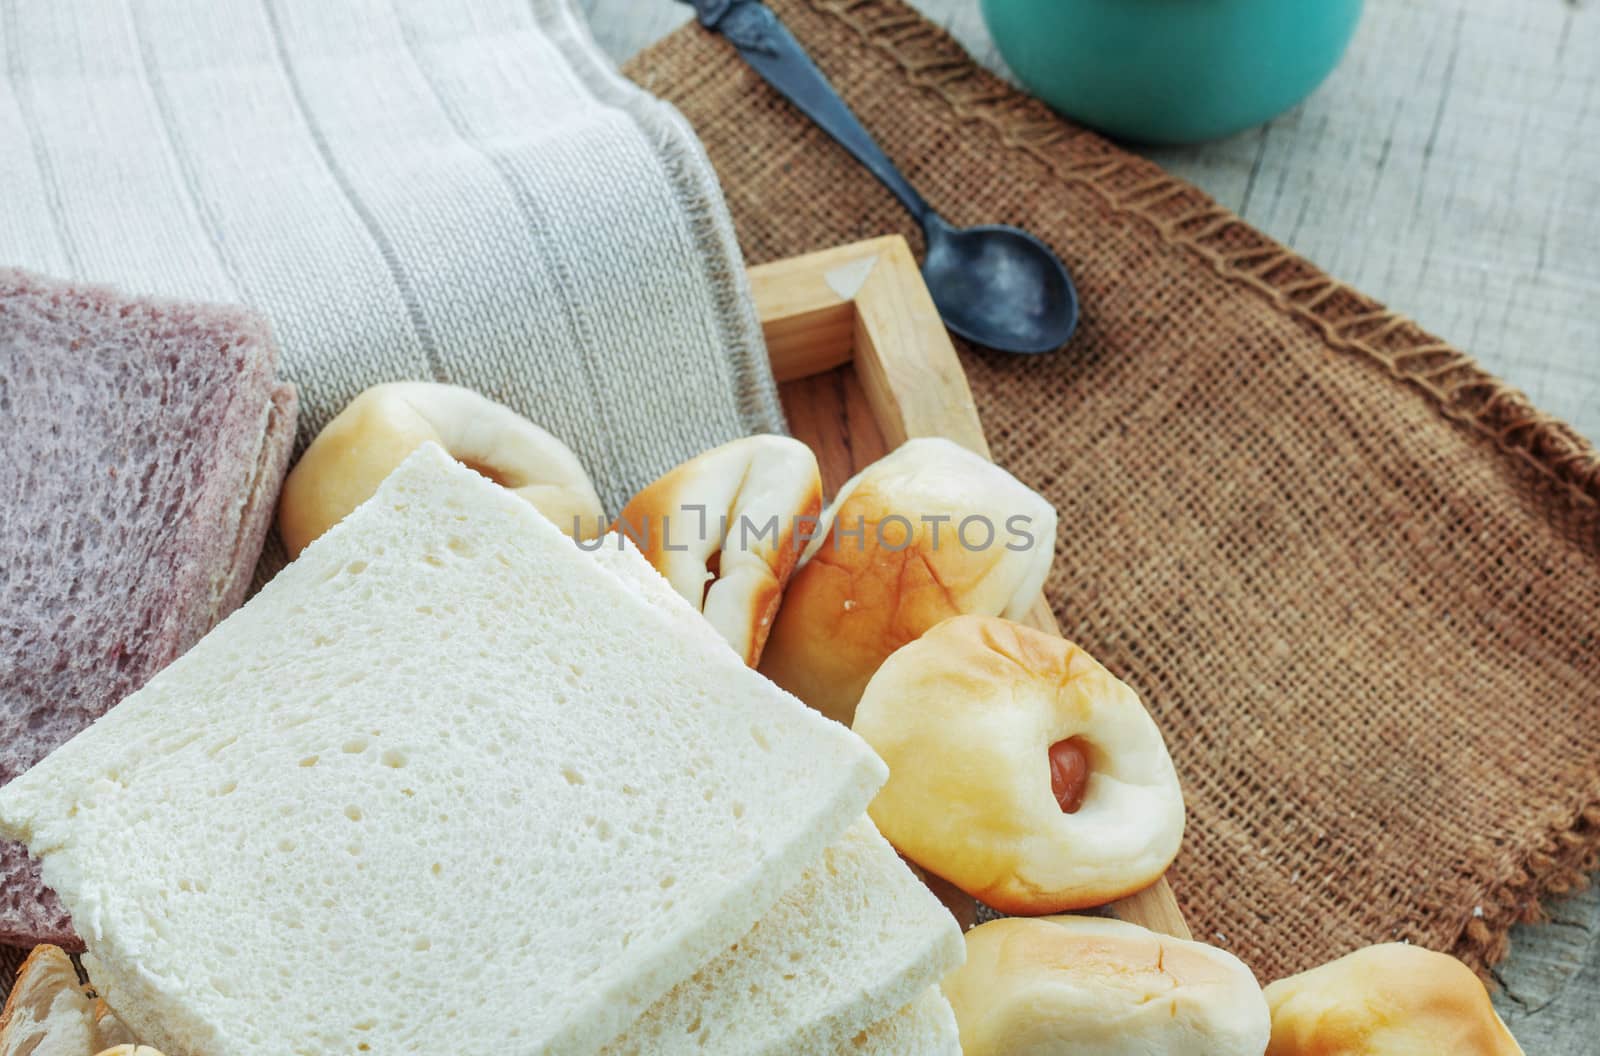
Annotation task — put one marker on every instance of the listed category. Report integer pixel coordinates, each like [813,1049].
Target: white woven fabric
[460,191]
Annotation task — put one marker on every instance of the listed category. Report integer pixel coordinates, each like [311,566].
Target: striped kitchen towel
[464,192]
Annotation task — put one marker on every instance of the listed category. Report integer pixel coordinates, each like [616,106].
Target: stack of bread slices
[450,784]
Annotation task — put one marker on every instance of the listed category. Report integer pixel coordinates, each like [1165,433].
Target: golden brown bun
[1087,986]
[706,522]
[369,438]
[965,717]
[855,601]
[49,1012]
[130,1050]
[1386,1000]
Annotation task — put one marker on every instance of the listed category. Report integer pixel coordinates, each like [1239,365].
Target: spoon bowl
[999,287]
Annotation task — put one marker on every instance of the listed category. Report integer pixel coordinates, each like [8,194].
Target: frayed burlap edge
[1560,865]
[1186,218]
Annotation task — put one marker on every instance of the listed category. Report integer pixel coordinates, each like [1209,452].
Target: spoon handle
[772,51]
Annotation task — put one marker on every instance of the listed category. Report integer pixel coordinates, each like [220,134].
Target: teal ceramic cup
[1171,71]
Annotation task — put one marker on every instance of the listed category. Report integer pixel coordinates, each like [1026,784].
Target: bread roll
[1020,769]
[371,437]
[131,1050]
[722,528]
[929,532]
[1386,1000]
[50,1014]
[1087,986]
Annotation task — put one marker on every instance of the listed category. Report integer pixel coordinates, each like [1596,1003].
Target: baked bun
[1020,769]
[130,1050]
[50,1014]
[722,528]
[371,437]
[1089,985]
[1386,1000]
[929,532]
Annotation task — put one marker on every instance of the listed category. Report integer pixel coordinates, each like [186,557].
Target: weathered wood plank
[1550,983]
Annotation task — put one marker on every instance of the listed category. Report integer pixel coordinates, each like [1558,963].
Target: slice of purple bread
[144,444]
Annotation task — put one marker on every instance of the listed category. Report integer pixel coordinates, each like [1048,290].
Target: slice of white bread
[926,1027]
[858,938]
[442,731]
[855,940]
[50,1014]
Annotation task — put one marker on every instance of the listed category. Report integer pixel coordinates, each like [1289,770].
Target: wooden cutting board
[863,364]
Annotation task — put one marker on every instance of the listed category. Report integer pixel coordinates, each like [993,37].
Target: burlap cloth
[1356,579]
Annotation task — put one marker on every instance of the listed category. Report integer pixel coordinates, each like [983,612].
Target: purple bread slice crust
[149,439]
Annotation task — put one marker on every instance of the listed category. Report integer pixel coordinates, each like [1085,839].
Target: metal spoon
[995,285]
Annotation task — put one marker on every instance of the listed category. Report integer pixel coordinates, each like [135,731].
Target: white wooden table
[1451,168]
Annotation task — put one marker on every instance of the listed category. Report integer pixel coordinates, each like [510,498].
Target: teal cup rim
[1172,71]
